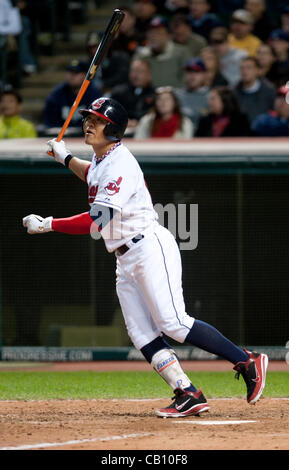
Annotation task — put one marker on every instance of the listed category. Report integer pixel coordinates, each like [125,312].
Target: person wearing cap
[62,97]
[181,31]
[279,41]
[241,36]
[255,95]
[12,125]
[274,123]
[166,59]
[229,57]
[193,97]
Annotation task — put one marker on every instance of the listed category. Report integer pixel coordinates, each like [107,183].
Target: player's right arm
[80,224]
[62,155]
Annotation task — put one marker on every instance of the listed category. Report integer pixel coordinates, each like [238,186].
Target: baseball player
[148,262]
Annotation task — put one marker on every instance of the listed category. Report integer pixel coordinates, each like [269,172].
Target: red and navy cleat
[185,404]
[253,372]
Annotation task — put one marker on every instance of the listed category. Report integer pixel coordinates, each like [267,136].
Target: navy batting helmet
[113,112]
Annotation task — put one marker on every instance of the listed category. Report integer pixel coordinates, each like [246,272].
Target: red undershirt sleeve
[79,224]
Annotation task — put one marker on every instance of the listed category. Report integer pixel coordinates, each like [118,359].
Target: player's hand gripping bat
[105,43]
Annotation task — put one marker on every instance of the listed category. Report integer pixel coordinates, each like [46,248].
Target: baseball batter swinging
[148,262]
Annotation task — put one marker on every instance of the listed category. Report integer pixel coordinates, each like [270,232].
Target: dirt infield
[132,424]
[231,424]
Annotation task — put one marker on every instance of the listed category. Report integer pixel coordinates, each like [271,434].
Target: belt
[121,250]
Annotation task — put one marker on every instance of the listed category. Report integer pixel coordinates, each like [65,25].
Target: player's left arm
[80,224]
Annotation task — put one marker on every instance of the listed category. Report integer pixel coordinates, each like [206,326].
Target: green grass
[88,384]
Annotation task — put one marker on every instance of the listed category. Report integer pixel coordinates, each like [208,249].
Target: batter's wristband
[67,160]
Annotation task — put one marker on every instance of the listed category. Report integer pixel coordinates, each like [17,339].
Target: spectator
[62,97]
[174,7]
[201,20]
[28,60]
[255,95]
[10,26]
[193,97]
[165,119]
[39,20]
[114,68]
[91,46]
[267,63]
[12,125]
[279,40]
[274,123]
[285,19]
[275,6]
[167,59]
[229,57]
[10,20]
[241,36]
[263,25]
[213,76]
[161,7]
[128,38]
[44,16]
[137,96]
[144,11]
[225,118]
[182,34]
[225,8]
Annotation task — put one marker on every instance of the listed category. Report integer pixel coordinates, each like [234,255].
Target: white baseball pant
[149,288]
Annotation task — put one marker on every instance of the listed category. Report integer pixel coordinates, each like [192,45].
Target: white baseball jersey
[117,182]
[149,274]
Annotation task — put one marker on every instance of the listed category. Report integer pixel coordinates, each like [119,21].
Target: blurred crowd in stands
[181,68]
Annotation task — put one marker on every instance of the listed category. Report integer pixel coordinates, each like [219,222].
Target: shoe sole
[264,365]
[194,411]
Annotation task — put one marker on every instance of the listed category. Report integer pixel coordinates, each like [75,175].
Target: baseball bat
[105,43]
